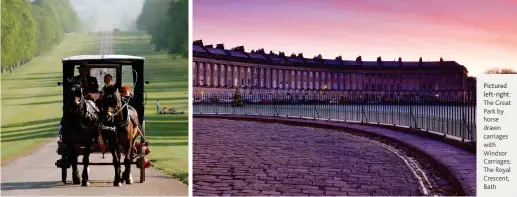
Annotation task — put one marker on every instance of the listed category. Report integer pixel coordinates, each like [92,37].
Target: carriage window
[99,74]
[127,77]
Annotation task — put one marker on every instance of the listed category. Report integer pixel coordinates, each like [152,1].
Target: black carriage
[118,66]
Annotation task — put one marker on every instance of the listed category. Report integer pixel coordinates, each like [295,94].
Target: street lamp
[325,92]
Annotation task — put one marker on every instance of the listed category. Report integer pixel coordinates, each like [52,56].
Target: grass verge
[32,100]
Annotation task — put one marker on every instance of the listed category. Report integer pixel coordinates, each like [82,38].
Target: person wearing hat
[89,83]
[126,94]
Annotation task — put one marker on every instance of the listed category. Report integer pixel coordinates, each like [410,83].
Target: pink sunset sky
[479,34]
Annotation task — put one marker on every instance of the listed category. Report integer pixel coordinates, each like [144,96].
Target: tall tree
[30,27]
[237,97]
[167,23]
[18,34]
[501,71]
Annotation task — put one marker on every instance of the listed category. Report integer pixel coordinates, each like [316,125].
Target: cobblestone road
[253,158]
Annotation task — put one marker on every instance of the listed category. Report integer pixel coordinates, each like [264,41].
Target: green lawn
[31,99]
[168,82]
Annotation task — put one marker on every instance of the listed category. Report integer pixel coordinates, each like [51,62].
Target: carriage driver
[88,82]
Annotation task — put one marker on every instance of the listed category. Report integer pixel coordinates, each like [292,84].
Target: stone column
[194,71]
[202,74]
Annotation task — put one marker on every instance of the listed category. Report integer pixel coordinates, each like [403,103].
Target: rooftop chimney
[220,46]
[359,59]
[239,48]
[198,42]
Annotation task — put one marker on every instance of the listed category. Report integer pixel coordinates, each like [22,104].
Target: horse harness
[118,124]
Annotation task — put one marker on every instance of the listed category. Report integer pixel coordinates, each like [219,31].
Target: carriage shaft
[103,163]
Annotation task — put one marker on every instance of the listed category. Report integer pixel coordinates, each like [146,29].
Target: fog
[105,15]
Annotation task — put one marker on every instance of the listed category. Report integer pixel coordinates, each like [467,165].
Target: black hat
[83,65]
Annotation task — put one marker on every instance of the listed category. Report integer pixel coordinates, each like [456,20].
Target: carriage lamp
[147,150]
[147,162]
[60,163]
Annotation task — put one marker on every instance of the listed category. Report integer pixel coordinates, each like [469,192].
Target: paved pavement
[252,158]
[460,163]
[36,174]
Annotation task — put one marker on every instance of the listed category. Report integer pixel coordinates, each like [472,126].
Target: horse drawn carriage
[98,121]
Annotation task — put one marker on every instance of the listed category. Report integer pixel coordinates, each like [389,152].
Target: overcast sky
[107,14]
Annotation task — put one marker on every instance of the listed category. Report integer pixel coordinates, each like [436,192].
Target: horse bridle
[118,109]
[84,104]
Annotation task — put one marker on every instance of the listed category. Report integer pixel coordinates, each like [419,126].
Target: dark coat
[93,86]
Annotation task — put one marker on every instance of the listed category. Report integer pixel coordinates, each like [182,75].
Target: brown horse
[120,127]
[79,126]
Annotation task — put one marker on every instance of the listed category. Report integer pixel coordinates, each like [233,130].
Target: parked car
[267,101]
[374,102]
[206,100]
[227,100]
[252,100]
[197,100]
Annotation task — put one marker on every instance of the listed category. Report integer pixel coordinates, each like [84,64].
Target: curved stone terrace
[286,156]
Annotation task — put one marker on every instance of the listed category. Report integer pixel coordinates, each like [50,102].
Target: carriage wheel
[141,160]
[63,170]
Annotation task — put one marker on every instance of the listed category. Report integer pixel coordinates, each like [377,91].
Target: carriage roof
[103,58]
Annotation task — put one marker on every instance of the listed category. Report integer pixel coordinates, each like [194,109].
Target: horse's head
[112,100]
[76,108]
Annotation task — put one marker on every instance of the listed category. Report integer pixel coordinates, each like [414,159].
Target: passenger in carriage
[127,96]
[108,82]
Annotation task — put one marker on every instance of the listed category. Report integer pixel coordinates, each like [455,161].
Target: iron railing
[450,113]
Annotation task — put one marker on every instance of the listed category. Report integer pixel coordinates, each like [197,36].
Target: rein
[119,110]
[123,122]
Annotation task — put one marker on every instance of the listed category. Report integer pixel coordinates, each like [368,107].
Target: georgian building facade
[218,71]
